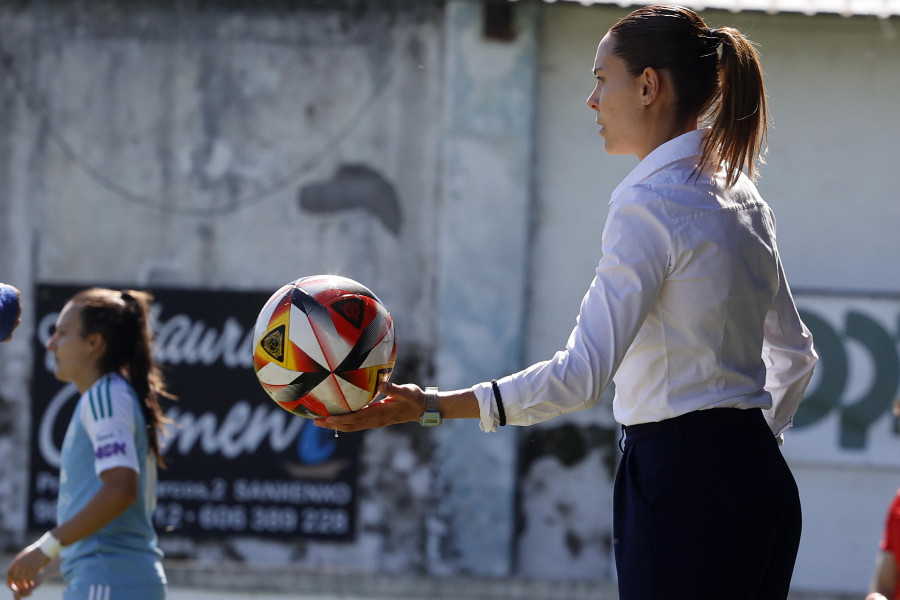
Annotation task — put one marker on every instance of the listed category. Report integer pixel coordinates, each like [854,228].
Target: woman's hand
[403,403]
[22,575]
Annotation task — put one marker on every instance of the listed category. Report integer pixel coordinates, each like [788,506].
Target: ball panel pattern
[322,344]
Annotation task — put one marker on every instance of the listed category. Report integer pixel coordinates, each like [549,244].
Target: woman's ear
[650,85]
[96,344]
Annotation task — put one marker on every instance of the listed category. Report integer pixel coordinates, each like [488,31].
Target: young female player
[104,535]
[690,314]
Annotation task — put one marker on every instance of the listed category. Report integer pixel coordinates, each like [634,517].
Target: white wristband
[49,545]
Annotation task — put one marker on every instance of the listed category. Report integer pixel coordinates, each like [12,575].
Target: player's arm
[109,422]
[884,582]
[118,492]
[404,403]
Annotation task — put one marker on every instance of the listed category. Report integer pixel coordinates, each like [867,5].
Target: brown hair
[123,321]
[717,78]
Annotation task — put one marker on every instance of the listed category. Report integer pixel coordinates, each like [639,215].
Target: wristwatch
[432,415]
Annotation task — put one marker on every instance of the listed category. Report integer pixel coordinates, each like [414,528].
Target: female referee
[107,493]
[690,314]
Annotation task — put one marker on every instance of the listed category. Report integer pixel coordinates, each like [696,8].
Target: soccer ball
[322,344]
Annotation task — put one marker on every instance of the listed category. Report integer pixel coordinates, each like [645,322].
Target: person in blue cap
[10,310]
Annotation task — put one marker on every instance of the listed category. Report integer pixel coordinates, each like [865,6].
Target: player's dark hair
[123,321]
[717,78]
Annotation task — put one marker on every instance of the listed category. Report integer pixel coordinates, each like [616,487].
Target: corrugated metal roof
[847,8]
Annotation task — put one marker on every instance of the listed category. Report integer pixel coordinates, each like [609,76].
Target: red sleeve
[890,541]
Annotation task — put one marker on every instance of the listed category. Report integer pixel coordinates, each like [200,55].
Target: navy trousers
[705,508]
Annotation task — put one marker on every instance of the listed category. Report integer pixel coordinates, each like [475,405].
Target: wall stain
[355,186]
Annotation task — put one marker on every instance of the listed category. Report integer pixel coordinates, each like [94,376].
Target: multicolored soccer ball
[322,344]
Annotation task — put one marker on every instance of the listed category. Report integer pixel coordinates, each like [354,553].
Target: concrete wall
[243,147]
[149,144]
[227,148]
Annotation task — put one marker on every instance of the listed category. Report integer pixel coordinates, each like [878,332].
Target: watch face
[430,419]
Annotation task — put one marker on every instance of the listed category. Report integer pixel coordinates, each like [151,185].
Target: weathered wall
[185,145]
[239,148]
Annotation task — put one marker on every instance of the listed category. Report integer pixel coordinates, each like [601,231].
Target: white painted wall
[832,177]
[172,146]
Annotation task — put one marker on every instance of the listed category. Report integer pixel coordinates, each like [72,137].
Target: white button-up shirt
[689,309]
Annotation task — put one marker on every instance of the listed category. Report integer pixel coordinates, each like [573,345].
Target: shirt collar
[678,148]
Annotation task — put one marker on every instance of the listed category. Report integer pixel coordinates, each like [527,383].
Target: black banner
[238,464]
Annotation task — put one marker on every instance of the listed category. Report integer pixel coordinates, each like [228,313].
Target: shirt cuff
[487,407]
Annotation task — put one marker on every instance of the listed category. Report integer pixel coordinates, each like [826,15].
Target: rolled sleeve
[487,408]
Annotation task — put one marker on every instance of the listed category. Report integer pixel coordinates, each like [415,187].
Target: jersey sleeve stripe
[108,396]
[100,400]
[92,403]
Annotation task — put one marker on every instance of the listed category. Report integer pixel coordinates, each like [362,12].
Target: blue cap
[9,310]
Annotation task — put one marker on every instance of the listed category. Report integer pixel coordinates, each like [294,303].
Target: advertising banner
[845,417]
[238,464]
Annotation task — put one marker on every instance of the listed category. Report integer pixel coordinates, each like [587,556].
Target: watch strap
[431,416]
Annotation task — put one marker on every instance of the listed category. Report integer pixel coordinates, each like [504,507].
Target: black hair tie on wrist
[500,412]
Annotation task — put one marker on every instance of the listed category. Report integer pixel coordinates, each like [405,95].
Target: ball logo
[351,309]
[273,343]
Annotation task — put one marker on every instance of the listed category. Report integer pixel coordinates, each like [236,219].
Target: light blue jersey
[108,430]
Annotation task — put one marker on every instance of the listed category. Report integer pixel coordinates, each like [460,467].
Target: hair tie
[715,38]
[9,310]
[131,303]
[131,309]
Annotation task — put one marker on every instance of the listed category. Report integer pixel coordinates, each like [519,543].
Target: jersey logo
[112,449]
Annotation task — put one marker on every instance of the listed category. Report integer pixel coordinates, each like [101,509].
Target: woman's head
[103,331]
[712,76]
[675,40]
[120,322]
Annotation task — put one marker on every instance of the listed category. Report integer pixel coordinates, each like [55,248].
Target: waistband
[711,421]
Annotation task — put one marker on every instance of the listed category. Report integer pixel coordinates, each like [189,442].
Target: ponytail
[122,320]
[740,117]
[716,75]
